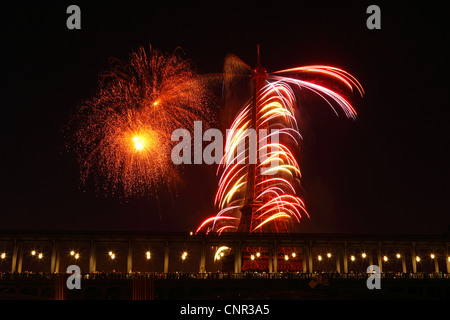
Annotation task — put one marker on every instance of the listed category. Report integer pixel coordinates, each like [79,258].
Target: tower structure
[259,80]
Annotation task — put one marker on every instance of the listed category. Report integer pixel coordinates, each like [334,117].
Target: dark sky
[386,172]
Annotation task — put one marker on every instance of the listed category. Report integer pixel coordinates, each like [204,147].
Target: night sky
[386,172]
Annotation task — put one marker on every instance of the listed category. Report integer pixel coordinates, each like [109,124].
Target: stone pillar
[202,268]
[338,259]
[130,257]
[275,258]
[413,257]
[310,257]
[345,258]
[92,258]
[403,261]
[270,250]
[166,257]
[304,256]
[436,265]
[379,257]
[237,257]
[14,257]
[20,260]
[447,255]
[54,263]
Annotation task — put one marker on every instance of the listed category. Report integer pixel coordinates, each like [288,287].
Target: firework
[274,200]
[123,134]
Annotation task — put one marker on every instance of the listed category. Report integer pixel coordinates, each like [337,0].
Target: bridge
[52,252]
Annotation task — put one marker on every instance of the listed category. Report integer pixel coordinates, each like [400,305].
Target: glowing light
[364,255]
[72,253]
[448,259]
[319,258]
[113,256]
[294,254]
[139,143]
[398,255]
[110,253]
[40,256]
[418,259]
[3,256]
[286,257]
[258,254]
[184,256]
[191,233]
[33,252]
[329,255]
[148,255]
[385,258]
[220,252]
[252,257]
[77,255]
[352,258]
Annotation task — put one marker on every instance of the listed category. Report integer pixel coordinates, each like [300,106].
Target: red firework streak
[252,202]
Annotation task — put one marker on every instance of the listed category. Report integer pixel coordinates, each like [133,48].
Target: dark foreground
[224,287]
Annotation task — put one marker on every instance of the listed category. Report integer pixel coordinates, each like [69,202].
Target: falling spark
[123,134]
[276,205]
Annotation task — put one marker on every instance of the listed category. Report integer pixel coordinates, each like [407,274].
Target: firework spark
[123,134]
[276,205]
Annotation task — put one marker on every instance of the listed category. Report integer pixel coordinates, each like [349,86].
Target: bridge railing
[220,275]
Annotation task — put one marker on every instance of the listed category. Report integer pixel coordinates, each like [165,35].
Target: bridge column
[304,256]
[202,268]
[310,257]
[269,258]
[166,257]
[130,257]
[345,258]
[413,257]
[404,260]
[237,257]
[92,258]
[447,257]
[338,259]
[436,265]
[54,263]
[379,257]
[20,259]
[14,256]
[275,257]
